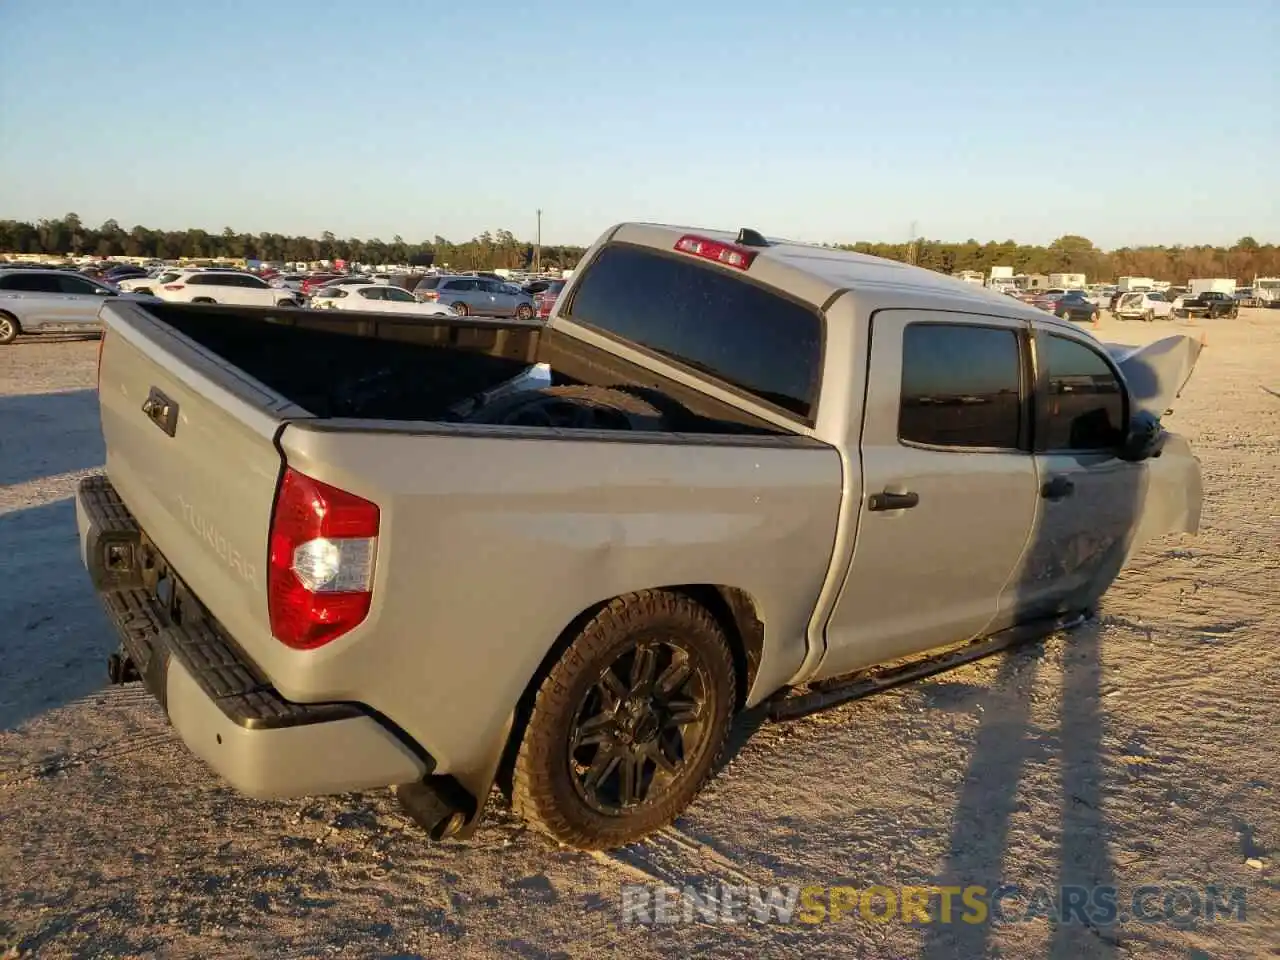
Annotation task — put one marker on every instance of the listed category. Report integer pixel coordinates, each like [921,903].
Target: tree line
[69,235]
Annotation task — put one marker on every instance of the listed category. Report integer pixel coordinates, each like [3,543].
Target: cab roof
[818,274]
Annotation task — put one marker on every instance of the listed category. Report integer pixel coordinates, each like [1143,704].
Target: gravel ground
[1139,749]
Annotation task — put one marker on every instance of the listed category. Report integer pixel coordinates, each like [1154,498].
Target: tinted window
[78,285]
[712,321]
[401,296]
[372,294]
[204,280]
[167,277]
[33,283]
[428,283]
[244,280]
[1086,402]
[960,386]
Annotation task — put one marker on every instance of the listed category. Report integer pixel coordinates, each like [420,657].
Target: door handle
[892,501]
[1057,488]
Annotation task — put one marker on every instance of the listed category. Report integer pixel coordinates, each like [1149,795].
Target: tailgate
[191,451]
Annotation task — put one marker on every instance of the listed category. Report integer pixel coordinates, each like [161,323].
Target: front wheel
[1149,316]
[1095,317]
[628,725]
[8,329]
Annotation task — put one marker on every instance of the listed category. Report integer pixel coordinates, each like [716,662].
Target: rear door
[190,449]
[950,486]
[1090,500]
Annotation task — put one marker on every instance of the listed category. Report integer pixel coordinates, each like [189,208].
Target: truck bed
[359,365]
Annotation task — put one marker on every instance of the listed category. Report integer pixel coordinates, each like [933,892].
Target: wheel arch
[736,612]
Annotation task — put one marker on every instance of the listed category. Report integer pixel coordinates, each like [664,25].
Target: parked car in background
[124,272]
[545,301]
[1068,305]
[1212,304]
[480,296]
[376,297]
[52,301]
[315,281]
[1143,305]
[288,281]
[223,286]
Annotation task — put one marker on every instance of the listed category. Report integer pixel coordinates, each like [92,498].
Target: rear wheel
[628,725]
[204,300]
[460,309]
[524,312]
[287,302]
[1095,317]
[8,328]
[1149,316]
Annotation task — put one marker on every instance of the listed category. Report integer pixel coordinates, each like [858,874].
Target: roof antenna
[751,238]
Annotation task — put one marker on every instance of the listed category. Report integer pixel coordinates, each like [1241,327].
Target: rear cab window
[752,339]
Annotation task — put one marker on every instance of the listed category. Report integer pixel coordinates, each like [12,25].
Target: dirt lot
[1139,749]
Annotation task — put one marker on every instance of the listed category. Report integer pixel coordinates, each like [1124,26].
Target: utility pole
[537,247]
[911,245]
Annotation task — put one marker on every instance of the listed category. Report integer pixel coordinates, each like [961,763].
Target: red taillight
[431,295]
[320,569]
[717,252]
[174,286]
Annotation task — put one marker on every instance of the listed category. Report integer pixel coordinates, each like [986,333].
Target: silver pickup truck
[439,555]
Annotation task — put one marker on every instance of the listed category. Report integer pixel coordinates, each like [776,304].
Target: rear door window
[747,336]
[960,386]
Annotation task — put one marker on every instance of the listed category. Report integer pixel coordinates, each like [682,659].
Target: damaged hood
[1157,372]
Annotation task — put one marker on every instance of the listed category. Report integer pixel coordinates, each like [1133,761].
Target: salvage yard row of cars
[36,300]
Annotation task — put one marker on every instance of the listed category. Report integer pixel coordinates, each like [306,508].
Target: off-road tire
[543,790]
[637,412]
[9,328]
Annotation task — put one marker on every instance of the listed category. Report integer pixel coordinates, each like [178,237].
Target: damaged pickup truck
[359,552]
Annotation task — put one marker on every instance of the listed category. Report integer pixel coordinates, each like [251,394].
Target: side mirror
[1144,440]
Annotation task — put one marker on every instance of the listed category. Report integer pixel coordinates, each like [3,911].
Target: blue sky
[825,121]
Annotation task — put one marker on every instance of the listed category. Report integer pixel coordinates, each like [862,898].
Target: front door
[1090,500]
[949,486]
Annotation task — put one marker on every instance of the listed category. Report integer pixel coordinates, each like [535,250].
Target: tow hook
[121,669]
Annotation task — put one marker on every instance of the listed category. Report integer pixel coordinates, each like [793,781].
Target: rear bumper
[222,706]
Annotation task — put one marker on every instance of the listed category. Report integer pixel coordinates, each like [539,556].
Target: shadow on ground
[46,434]
[55,636]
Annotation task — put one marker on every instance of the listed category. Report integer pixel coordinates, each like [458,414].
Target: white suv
[221,286]
[1143,305]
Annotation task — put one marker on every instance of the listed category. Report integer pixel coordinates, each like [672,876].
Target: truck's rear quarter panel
[491,545]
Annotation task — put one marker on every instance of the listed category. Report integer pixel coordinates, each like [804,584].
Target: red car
[543,302]
[316,281]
